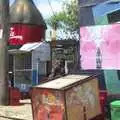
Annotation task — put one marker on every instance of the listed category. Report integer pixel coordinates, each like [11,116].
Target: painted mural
[47,105]
[83,101]
[99,48]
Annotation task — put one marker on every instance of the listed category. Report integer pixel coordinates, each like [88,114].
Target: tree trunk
[4,30]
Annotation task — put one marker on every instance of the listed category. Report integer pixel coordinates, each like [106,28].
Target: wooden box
[72,97]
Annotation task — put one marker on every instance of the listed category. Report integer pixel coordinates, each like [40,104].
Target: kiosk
[30,63]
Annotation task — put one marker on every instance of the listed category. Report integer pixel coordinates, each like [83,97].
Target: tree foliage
[71,15]
[67,19]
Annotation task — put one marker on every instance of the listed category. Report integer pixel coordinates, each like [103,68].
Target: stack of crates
[103,100]
[14,96]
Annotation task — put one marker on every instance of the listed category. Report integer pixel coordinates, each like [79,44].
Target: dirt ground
[21,112]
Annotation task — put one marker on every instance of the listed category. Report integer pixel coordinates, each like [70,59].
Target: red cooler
[72,97]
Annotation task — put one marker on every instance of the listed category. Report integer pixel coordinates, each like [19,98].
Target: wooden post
[53,37]
[85,113]
[4,34]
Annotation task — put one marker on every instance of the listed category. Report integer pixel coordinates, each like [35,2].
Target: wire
[51,7]
[54,14]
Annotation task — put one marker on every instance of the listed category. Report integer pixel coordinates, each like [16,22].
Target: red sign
[47,105]
[22,33]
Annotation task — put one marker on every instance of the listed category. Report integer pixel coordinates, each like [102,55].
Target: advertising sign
[99,47]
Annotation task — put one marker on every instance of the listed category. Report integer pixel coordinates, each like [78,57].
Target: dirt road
[21,112]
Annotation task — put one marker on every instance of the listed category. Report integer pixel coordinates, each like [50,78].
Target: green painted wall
[102,20]
[112,81]
[111,76]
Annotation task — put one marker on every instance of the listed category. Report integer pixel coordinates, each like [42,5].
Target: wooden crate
[73,97]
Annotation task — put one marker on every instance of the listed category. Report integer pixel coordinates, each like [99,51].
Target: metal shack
[72,97]
[30,63]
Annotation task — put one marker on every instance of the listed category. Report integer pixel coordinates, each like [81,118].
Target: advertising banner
[100,47]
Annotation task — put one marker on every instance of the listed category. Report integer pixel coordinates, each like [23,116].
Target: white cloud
[45,9]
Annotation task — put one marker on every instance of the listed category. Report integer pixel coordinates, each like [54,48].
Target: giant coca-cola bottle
[27,24]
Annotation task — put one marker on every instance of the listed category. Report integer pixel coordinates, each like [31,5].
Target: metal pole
[4,28]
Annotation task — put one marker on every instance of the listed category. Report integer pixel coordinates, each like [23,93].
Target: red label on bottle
[21,34]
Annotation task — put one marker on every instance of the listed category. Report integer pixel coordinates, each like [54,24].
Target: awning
[16,51]
[30,46]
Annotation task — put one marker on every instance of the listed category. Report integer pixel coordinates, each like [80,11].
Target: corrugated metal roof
[30,46]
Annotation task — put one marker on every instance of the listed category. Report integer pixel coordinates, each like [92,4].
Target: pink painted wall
[107,37]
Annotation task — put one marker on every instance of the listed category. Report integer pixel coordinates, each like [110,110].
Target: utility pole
[4,35]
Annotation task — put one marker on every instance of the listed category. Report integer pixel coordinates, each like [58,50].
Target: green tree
[67,19]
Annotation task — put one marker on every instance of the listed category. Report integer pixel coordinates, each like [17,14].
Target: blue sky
[44,7]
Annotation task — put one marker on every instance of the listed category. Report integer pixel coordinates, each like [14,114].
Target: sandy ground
[21,112]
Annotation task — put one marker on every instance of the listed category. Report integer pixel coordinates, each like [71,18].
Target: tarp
[86,16]
[85,3]
[104,9]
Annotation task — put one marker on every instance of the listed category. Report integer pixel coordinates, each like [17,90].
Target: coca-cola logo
[13,34]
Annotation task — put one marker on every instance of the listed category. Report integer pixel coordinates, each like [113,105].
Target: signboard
[99,47]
